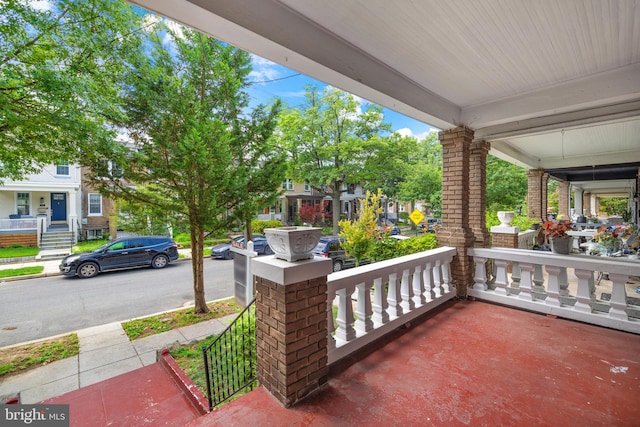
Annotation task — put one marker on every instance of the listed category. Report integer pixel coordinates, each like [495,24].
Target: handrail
[230,360]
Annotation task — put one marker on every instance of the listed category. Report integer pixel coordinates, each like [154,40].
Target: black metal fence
[230,361]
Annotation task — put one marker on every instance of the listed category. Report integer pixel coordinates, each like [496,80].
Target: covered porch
[546,85]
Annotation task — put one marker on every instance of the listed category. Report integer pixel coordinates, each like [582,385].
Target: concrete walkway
[105,352]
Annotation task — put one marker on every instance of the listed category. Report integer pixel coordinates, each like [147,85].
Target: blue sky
[274,80]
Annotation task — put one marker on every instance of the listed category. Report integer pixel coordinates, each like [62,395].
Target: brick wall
[291,337]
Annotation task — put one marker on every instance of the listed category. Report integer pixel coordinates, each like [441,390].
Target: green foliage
[614,205]
[424,174]
[258,225]
[388,247]
[358,235]
[519,220]
[60,76]
[333,141]
[506,185]
[22,271]
[198,154]
[16,251]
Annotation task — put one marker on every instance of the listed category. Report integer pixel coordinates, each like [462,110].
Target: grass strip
[22,357]
[23,271]
[146,326]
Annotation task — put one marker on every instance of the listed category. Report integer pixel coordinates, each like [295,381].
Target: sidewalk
[105,352]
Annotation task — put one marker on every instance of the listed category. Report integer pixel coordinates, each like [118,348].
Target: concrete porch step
[53,253]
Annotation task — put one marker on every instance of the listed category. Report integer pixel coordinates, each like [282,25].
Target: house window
[95,204]
[287,184]
[307,187]
[23,204]
[62,168]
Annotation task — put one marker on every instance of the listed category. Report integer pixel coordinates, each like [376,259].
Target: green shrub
[258,225]
[388,247]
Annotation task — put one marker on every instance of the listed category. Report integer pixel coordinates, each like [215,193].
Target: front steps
[55,245]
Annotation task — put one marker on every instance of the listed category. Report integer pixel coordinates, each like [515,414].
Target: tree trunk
[337,209]
[248,234]
[197,247]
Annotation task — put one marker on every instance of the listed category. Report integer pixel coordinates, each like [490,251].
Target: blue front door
[58,206]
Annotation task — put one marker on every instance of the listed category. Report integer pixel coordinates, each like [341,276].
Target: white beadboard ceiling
[550,83]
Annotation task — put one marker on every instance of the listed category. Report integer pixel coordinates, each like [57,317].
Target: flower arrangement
[611,237]
[556,228]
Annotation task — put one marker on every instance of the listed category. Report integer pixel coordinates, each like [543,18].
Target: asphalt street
[43,307]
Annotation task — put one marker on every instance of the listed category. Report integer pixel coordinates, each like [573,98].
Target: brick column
[586,202]
[291,326]
[563,199]
[536,194]
[455,231]
[478,193]
[545,195]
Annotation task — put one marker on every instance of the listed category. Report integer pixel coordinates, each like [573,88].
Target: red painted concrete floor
[148,396]
[471,364]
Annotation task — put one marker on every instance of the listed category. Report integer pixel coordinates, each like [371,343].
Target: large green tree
[59,69]
[424,177]
[197,152]
[332,143]
[506,185]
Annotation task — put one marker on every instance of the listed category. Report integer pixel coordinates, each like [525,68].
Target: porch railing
[230,360]
[19,224]
[560,285]
[387,294]
[526,239]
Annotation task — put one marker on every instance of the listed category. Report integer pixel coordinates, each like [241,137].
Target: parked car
[330,247]
[126,252]
[223,250]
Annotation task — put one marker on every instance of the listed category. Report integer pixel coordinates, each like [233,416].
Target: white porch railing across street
[388,294]
[542,282]
[20,224]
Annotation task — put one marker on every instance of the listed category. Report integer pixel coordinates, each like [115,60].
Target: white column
[577,201]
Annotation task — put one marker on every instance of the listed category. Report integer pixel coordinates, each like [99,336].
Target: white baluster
[553,291]
[345,319]
[563,281]
[525,281]
[480,279]
[418,287]
[380,314]
[407,292]
[445,269]
[427,276]
[516,274]
[331,341]
[437,279]
[618,309]
[363,309]
[583,294]
[502,281]
[393,297]
[538,279]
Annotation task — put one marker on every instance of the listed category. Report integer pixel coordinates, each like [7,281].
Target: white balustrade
[403,289]
[549,293]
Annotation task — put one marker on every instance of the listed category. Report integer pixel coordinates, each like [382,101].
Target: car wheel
[160,261]
[337,265]
[268,250]
[228,255]
[87,270]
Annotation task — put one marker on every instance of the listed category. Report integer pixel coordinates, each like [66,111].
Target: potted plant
[556,234]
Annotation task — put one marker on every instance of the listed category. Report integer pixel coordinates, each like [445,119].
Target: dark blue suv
[127,252]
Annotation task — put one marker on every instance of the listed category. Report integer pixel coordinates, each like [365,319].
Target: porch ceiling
[550,84]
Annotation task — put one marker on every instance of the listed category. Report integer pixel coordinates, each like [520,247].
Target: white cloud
[420,136]
[263,70]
